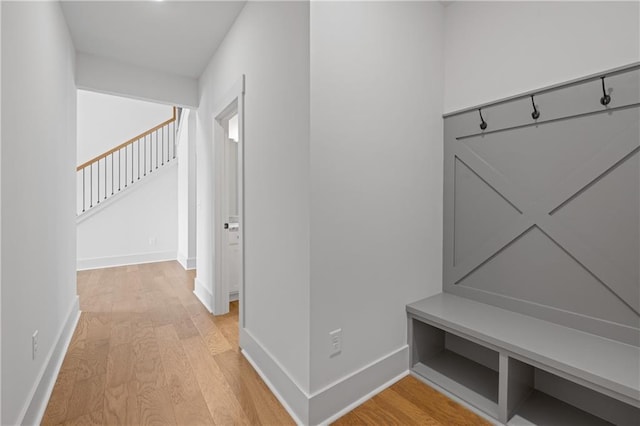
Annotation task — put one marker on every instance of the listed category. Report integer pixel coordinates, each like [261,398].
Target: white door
[232,248]
[228,207]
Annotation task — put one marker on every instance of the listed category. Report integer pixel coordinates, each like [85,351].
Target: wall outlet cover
[335,340]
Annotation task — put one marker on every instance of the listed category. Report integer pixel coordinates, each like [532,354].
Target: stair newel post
[132,154]
[157,149]
[138,159]
[112,173]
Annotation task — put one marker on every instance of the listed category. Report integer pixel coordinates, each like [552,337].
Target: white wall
[140,225]
[105,121]
[38,224]
[187,191]
[0,213]
[108,76]
[498,49]
[376,176]
[269,43]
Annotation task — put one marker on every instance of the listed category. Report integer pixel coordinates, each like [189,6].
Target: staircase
[118,169]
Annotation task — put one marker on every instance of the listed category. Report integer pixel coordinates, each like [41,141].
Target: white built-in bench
[522,370]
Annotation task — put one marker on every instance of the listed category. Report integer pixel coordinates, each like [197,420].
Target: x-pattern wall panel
[545,218]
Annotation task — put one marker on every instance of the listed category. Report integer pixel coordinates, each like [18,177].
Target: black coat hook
[483,125]
[535,114]
[605,99]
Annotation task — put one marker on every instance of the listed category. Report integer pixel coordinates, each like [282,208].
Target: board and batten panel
[542,217]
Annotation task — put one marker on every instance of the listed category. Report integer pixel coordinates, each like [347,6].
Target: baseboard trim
[203,294]
[187,263]
[333,401]
[342,396]
[129,259]
[234,295]
[33,410]
[285,389]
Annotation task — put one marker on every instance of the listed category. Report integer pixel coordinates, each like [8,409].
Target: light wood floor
[145,351]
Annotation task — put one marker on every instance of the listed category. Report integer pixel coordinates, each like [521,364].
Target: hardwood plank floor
[146,352]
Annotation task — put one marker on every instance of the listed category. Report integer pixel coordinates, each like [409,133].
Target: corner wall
[38,214]
[376,188]
[187,191]
[498,49]
[269,44]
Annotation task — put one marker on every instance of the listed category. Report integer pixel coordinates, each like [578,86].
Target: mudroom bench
[521,370]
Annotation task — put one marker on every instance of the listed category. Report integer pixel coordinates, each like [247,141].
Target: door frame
[228,105]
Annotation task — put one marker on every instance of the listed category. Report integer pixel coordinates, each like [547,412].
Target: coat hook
[535,114]
[483,125]
[605,99]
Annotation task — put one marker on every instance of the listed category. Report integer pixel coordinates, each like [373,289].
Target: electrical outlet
[153,241]
[34,344]
[335,340]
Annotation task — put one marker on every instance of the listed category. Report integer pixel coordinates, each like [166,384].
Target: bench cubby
[521,370]
[450,361]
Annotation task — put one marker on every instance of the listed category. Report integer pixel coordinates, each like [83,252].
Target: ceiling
[176,37]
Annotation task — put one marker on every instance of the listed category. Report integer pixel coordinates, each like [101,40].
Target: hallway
[145,351]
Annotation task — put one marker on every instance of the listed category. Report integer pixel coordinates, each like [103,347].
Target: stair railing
[120,167]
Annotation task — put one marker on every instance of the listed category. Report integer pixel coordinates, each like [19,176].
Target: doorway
[228,203]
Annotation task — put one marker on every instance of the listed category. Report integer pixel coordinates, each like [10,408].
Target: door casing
[233,102]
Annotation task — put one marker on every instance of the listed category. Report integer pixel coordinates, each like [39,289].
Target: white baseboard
[332,402]
[342,396]
[286,390]
[129,259]
[234,295]
[203,294]
[187,263]
[39,396]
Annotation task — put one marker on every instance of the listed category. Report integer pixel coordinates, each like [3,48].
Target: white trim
[127,259]
[203,294]
[187,263]
[336,399]
[234,295]
[36,404]
[129,189]
[292,397]
[232,101]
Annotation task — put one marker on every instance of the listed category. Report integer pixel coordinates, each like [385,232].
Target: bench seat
[605,366]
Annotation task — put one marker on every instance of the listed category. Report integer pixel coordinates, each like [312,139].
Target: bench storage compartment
[521,370]
[550,399]
[462,367]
